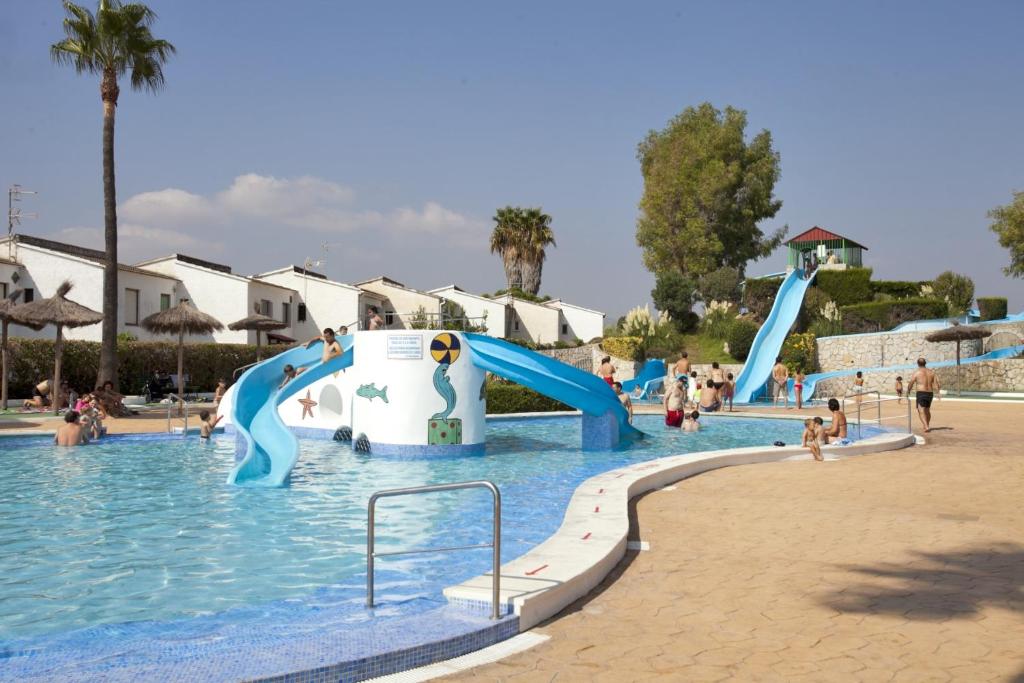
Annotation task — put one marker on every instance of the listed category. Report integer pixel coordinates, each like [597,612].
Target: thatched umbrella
[181,320]
[9,314]
[959,333]
[60,311]
[259,322]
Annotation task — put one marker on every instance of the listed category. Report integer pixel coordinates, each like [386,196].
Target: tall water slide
[271,449]
[768,342]
[555,379]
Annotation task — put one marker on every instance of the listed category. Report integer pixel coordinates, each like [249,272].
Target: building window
[565,328]
[286,313]
[3,290]
[131,307]
[267,308]
[389,318]
[165,302]
[516,324]
[300,314]
[28,295]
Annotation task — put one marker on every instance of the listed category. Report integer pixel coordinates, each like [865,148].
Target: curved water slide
[810,381]
[772,334]
[572,386]
[271,449]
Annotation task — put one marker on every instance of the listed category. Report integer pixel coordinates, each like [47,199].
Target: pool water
[145,529]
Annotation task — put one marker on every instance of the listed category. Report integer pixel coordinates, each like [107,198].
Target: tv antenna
[15,214]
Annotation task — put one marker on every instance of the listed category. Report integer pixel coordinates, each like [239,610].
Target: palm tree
[113,42]
[537,237]
[507,242]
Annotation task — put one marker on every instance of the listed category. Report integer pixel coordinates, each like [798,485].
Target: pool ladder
[495,544]
[170,407]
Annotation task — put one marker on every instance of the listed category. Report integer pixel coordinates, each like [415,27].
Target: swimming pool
[137,528]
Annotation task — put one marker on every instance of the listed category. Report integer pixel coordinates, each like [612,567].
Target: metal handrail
[878,403]
[170,406]
[495,543]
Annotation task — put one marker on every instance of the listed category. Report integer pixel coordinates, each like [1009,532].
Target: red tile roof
[818,234]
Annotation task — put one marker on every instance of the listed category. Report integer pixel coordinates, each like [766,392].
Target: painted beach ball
[445,348]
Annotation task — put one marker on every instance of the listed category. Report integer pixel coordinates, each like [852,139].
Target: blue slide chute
[772,334]
[572,386]
[271,449]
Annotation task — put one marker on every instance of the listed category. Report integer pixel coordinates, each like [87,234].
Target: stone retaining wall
[902,348]
[990,375]
[588,358]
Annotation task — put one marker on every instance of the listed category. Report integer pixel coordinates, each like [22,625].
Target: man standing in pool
[675,399]
[927,387]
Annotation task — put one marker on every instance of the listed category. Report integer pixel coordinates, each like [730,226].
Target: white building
[321,302]
[228,297]
[401,306]
[532,321]
[577,322]
[39,266]
[479,310]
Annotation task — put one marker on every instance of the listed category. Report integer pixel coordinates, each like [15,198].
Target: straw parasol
[959,333]
[259,322]
[60,311]
[181,320]
[9,314]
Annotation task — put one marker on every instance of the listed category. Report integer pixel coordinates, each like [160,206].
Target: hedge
[897,289]
[759,295]
[876,316]
[846,287]
[799,352]
[513,398]
[741,337]
[992,307]
[32,360]
[627,348]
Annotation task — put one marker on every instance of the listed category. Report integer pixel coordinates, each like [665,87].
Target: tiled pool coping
[537,585]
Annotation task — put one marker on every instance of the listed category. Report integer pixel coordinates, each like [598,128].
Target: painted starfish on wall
[307,405]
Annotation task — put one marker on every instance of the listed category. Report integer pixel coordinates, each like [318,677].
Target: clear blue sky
[393,131]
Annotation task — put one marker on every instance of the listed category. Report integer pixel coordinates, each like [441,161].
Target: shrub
[718,317]
[675,293]
[722,284]
[992,307]
[32,359]
[741,337]
[513,398]
[897,289]
[956,290]
[799,352]
[638,323]
[759,295]
[846,287]
[875,316]
[627,348]
[811,309]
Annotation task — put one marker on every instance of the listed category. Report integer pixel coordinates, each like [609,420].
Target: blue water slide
[271,449]
[772,334]
[650,378]
[572,386]
[811,380]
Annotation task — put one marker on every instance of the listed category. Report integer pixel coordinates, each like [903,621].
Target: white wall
[536,323]
[581,323]
[328,303]
[477,307]
[403,302]
[277,296]
[44,271]
[224,296]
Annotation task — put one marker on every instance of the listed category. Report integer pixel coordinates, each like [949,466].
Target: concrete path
[905,566]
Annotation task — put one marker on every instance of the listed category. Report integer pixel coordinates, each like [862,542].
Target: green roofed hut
[830,250]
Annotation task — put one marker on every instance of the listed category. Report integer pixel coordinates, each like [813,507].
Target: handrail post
[495,543]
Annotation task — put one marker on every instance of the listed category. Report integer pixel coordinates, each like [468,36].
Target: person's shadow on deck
[940,585]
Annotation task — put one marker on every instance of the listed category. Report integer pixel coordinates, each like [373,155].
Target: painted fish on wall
[370,392]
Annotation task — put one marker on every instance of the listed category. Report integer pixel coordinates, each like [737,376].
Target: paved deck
[903,566]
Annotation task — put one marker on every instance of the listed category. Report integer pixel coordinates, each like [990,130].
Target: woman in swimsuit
[798,388]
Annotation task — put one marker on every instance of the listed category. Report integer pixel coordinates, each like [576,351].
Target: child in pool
[798,388]
[207,425]
[690,423]
[812,438]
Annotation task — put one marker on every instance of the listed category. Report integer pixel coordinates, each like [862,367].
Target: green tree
[675,294]
[956,290]
[721,284]
[1008,223]
[705,191]
[111,43]
[521,237]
